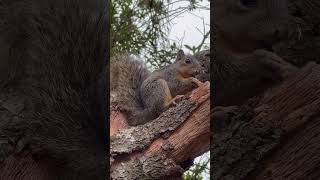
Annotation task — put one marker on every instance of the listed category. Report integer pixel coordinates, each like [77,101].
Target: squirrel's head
[187,65]
[246,25]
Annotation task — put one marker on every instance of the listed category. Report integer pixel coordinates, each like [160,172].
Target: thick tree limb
[179,134]
[275,137]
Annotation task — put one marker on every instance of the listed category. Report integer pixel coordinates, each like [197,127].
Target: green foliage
[201,46]
[197,170]
[141,27]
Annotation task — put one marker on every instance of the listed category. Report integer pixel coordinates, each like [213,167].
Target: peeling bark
[156,149]
[275,136]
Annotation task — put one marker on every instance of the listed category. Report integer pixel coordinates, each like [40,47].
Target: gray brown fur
[53,63]
[127,74]
[246,25]
[237,79]
[238,71]
[147,102]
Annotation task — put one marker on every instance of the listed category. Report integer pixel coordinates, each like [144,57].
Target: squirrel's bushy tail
[127,75]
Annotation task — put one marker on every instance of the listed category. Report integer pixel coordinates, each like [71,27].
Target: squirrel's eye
[249,3]
[188,61]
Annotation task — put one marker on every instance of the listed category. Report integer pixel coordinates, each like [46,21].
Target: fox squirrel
[244,65]
[143,95]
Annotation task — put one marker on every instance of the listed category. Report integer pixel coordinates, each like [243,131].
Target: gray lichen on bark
[239,146]
[145,168]
[139,137]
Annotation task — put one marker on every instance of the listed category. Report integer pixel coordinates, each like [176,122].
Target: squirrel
[244,64]
[143,95]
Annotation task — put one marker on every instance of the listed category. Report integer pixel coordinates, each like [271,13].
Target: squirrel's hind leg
[167,93]
[169,100]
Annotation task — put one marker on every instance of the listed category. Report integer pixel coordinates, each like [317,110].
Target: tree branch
[154,149]
[275,136]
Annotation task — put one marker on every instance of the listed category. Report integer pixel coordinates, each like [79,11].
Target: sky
[185,26]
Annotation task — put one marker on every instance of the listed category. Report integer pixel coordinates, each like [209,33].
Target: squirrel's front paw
[196,81]
[274,62]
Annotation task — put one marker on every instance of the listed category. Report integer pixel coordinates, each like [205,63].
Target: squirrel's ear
[180,55]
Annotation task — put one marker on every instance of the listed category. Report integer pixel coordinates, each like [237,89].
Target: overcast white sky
[185,26]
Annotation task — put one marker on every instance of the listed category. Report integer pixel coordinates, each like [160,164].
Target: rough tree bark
[156,149]
[277,135]
[273,137]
